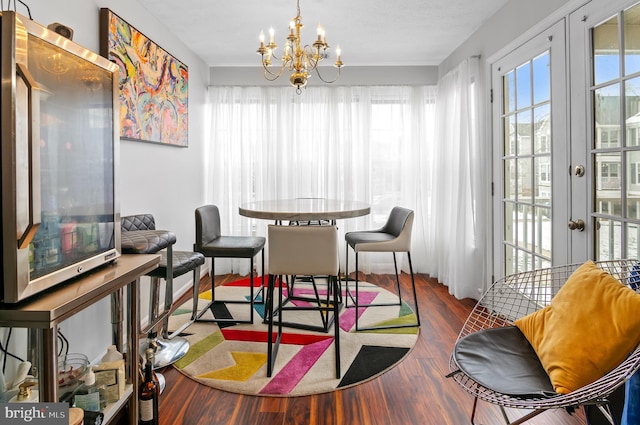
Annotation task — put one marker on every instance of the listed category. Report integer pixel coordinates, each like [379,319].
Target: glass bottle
[151,359]
[87,396]
[148,398]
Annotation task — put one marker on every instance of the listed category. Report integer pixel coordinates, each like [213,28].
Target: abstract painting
[153,84]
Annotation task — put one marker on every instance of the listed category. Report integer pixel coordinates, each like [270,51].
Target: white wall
[509,23]
[350,76]
[163,180]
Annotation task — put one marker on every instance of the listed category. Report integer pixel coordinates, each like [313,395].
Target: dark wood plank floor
[414,392]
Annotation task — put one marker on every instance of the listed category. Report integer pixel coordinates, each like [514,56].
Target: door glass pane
[524,132]
[606,51]
[608,239]
[541,78]
[542,128]
[607,114]
[509,92]
[510,179]
[542,181]
[523,84]
[509,223]
[510,135]
[523,190]
[633,185]
[510,260]
[632,41]
[543,229]
[632,105]
[608,178]
[525,227]
[633,234]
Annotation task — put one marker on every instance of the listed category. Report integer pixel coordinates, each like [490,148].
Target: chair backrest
[207,225]
[303,250]
[137,222]
[400,224]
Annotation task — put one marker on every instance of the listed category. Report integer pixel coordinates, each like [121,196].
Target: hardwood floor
[414,392]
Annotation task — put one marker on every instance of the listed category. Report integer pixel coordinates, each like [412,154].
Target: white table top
[300,209]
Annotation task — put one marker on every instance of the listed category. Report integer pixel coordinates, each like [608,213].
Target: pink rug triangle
[294,370]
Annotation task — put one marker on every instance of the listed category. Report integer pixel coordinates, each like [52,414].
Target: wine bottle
[148,398]
[151,359]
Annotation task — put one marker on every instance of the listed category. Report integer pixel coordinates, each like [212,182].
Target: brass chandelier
[301,60]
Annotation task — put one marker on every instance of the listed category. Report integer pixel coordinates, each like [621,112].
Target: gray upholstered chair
[301,250]
[140,236]
[394,236]
[211,243]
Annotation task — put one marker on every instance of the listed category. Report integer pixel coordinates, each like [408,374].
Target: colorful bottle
[148,398]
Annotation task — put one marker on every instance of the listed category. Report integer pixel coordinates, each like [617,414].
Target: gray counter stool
[394,236]
[140,236]
[211,243]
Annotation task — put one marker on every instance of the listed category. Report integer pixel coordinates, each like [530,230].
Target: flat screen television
[59,153]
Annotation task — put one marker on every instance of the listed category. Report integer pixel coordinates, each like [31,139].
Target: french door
[606,78]
[531,191]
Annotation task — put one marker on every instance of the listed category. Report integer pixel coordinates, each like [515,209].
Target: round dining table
[304,209]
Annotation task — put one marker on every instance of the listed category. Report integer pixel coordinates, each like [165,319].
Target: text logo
[34,413]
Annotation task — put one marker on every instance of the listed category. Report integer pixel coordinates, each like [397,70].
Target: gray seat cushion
[502,360]
[183,262]
[233,246]
[146,241]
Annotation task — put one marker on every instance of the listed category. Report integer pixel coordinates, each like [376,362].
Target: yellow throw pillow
[591,326]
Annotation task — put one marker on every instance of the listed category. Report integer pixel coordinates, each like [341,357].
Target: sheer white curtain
[358,143]
[456,234]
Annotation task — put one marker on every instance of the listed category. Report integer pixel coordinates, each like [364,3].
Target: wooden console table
[42,314]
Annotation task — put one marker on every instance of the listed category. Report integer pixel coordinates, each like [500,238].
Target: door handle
[576,225]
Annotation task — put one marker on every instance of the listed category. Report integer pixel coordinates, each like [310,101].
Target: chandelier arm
[270,75]
[314,56]
[327,81]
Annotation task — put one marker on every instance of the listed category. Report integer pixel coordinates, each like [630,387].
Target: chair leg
[194,309]
[269,314]
[336,324]
[413,287]
[272,346]
[251,290]
[395,266]
[399,303]
[357,301]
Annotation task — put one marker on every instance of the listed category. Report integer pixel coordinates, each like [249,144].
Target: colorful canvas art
[153,84]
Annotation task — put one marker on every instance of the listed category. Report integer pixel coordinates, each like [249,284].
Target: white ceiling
[369,32]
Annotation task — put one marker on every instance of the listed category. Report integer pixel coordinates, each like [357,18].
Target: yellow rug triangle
[402,320]
[246,365]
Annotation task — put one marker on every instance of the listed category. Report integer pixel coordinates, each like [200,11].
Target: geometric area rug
[233,357]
